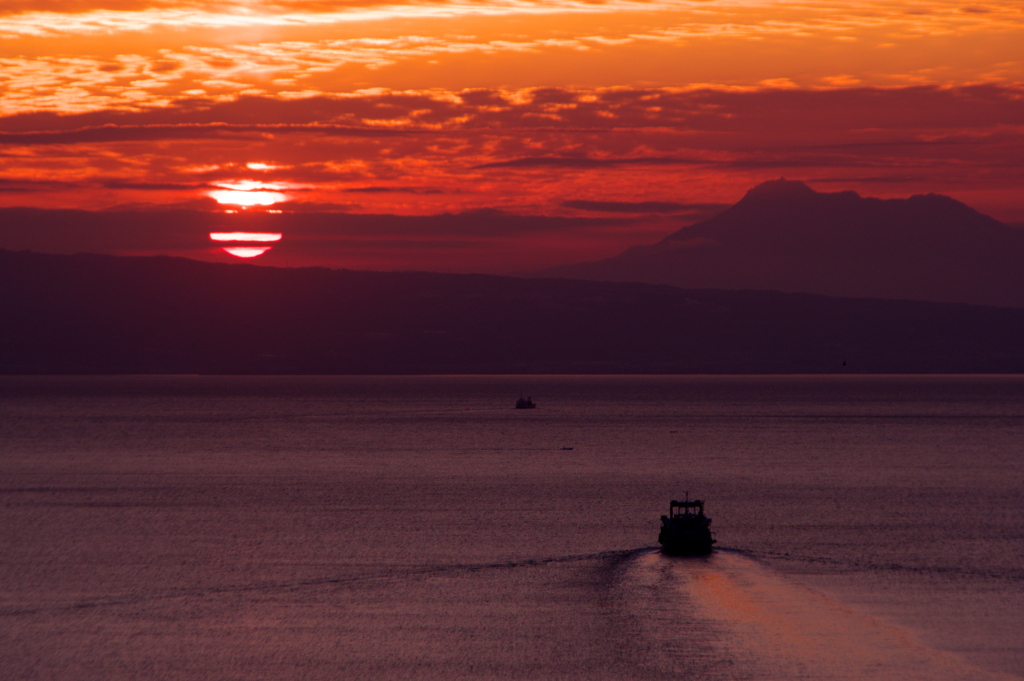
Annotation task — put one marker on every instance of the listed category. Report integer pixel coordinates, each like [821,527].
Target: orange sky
[651,113]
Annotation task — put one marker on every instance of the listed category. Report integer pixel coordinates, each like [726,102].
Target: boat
[525,403]
[685,530]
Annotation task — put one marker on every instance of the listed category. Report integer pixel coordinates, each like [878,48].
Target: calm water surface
[421,528]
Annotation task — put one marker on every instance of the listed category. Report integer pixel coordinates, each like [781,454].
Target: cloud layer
[660,110]
[436,151]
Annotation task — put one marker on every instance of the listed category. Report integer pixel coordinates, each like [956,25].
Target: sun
[246,251]
[245,236]
[247,193]
[246,244]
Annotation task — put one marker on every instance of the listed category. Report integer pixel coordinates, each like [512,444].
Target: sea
[420,527]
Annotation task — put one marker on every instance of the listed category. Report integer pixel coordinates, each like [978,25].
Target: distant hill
[784,236]
[106,314]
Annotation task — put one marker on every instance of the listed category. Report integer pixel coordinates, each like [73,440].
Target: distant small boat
[685,530]
[525,403]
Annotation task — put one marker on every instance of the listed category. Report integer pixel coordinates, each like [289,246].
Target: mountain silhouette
[101,314]
[784,236]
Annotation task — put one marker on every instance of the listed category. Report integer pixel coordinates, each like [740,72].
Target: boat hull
[685,541]
[687,547]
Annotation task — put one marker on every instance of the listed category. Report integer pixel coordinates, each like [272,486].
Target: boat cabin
[681,509]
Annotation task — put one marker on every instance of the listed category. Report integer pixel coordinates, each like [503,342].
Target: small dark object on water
[566,449]
[525,403]
[685,531]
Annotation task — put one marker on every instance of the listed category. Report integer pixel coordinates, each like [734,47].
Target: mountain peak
[780,189]
[784,236]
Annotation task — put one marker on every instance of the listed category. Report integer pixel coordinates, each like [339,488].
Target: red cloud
[533,150]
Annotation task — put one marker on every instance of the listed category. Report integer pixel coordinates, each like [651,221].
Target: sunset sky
[607,124]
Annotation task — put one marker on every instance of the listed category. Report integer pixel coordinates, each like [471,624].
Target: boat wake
[373,576]
[633,614]
[727,616]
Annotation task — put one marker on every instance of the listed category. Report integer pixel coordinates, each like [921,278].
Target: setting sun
[246,251]
[244,241]
[244,236]
[235,197]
